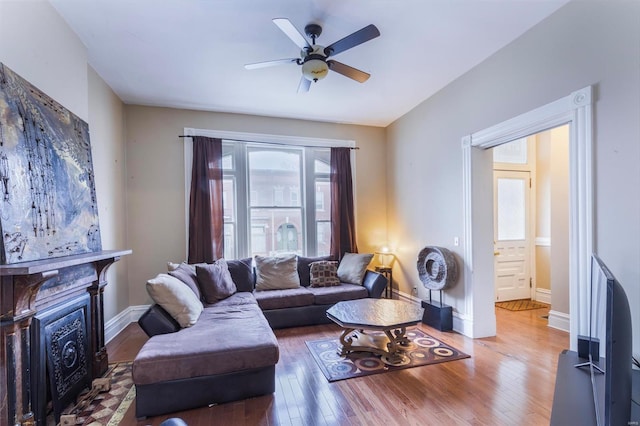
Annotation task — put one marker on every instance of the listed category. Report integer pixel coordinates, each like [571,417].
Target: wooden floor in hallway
[509,380]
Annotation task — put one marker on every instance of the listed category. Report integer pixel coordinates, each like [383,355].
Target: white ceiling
[191,53]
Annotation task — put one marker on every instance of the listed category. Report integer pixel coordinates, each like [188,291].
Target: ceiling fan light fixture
[315,69]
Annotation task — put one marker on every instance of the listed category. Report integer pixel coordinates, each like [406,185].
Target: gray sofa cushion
[335,294]
[187,274]
[236,299]
[215,281]
[276,299]
[242,274]
[353,266]
[225,339]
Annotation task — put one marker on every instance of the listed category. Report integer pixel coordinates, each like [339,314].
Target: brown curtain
[206,221]
[343,230]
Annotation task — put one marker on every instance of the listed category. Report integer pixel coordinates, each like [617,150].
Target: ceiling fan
[314,58]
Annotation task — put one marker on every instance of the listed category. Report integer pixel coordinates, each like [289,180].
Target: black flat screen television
[611,323]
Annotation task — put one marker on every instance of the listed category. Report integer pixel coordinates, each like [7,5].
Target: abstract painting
[48,202]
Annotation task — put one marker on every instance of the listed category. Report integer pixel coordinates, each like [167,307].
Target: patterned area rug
[423,350]
[521,305]
[108,408]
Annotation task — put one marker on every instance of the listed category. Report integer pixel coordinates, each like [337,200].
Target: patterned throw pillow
[324,273]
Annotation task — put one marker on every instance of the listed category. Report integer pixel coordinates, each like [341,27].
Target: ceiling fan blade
[361,36]
[304,85]
[271,63]
[292,32]
[347,71]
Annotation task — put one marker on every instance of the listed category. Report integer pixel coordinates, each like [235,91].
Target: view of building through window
[276,200]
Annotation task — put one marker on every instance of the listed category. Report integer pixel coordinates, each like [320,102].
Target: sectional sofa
[229,351]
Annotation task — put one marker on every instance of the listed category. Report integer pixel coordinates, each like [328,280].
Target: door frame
[575,110]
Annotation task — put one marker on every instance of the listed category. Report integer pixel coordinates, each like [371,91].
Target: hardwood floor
[509,380]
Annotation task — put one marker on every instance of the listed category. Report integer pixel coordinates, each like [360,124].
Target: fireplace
[54,304]
[60,355]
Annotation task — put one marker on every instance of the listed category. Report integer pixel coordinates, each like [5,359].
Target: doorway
[575,110]
[531,221]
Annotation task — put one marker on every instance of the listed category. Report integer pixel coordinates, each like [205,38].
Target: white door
[512,253]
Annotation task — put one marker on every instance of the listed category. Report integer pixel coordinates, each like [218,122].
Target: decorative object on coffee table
[437,270]
[391,317]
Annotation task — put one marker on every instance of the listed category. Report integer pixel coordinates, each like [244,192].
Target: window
[294,194]
[272,193]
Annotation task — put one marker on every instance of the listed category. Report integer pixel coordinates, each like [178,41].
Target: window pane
[323,200]
[276,231]
[266,194]
[322,166]
[227,162]
[511,209]
[229,199]
[229,241]
[273,175]
[323,244]
[513,152]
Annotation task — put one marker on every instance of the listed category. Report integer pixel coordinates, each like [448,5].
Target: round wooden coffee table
[392,317]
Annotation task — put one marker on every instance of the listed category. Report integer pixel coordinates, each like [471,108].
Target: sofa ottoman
[229,354]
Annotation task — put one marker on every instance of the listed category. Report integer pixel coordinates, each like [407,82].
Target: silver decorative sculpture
[437,268]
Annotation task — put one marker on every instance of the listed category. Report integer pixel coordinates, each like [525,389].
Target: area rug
[423,350]
[108,408]
[521,305]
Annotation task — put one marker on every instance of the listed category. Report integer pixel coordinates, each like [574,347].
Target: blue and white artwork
[48,202]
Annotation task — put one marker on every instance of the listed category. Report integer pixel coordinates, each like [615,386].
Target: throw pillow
[187,274]
[324,273]
[242,273]
[175,298]
[303,268]
[276,273]
[215,281]
[353,267]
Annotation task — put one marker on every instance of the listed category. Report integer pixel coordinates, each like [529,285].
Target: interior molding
[269,138]
[543,241]
[467,237]
[115,325]
[543,118]
[560,321]
[543,295]
[575,110]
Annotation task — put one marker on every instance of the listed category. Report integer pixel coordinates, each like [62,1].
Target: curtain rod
[272,143]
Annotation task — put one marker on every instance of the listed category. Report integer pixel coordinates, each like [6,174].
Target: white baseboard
[543,295]
[407,297]
[559,320]
[118,323]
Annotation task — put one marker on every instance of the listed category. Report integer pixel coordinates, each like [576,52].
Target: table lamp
[385,257]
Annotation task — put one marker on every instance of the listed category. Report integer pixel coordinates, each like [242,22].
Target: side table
[388,274]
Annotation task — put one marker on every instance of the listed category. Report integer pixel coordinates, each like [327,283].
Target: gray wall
[584,43]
